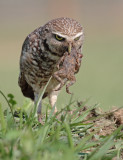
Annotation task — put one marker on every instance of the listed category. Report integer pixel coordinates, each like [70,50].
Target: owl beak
[69,48]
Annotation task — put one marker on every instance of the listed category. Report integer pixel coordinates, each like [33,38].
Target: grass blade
[81,118]
[69,135]
[103,149]
[2,120]
[80,146]
[8,104]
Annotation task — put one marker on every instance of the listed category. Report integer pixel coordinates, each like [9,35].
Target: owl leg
[39,108]
[53,98]
[39,112]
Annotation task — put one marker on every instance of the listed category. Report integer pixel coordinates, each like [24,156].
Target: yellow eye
[59,38]
[77,38]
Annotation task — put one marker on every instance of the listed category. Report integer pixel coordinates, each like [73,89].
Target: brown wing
[25,87]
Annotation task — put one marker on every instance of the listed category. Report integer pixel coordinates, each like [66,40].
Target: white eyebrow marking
[78,34]
[59,34]
[67,37]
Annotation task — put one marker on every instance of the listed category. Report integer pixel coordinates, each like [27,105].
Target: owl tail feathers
[26,89]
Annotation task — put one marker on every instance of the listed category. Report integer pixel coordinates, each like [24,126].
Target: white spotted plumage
[40,53]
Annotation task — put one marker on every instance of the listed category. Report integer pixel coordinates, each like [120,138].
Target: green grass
[63,136]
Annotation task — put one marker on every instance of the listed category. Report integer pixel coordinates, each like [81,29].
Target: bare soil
[106,121]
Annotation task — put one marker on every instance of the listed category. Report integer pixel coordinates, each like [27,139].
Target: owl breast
[38,63]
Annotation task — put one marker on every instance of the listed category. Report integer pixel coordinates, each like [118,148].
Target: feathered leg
[39,108]
[53,98]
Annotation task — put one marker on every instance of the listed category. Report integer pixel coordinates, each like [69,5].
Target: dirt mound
[104,122]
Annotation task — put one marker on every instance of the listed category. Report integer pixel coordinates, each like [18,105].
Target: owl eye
[59,38]
[77,38]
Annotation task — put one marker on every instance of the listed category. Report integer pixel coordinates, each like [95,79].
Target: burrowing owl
[41,51]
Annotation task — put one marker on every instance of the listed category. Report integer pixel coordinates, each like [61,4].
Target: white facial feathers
[68,37]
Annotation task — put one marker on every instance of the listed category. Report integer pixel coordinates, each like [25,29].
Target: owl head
[62,34]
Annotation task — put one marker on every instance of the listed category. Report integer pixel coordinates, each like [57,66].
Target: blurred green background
[101,73]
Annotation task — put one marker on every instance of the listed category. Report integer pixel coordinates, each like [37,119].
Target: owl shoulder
[31,40]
